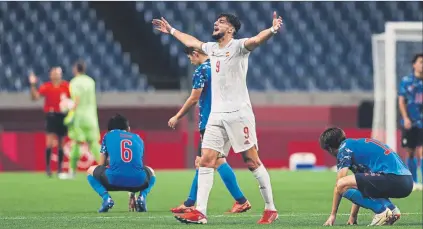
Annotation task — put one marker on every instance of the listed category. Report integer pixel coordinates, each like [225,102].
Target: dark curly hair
[233,20]
[415,57]
[331,139]
[118,122]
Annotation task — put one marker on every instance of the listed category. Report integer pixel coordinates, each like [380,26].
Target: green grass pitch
[302,198]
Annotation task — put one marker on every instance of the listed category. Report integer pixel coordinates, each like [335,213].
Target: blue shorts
[377,185]
[102,174]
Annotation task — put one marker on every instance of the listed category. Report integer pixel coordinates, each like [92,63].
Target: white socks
[205,184]
[263,179]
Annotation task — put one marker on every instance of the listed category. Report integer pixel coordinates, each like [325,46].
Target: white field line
[70,217]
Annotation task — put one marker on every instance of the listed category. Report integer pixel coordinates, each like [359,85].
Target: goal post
[386,75]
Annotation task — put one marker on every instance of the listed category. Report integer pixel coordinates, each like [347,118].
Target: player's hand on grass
[173,122]
[352,220]
[330,221]
[277,21]
[32,78]
[162,25]
[407,123]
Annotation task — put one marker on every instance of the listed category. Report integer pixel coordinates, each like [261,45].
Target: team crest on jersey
[410,88]
[227,54]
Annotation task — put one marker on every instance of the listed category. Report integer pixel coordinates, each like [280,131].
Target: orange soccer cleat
[194,217]
[182,209]
[240,208]
[268,217]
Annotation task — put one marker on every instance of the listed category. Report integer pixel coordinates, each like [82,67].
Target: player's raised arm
[35,93]
[264,35]
[163,26]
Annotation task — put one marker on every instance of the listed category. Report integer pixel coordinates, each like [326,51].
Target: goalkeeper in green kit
[82,119]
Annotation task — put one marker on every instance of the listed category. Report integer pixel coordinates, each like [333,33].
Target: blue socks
[412,166]
[228,177]
[386,202]
[193,191]
[98,187]
[356,197]
[145,192]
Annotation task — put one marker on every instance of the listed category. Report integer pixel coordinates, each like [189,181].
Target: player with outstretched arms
[411,108]
[379,174]
[82,119]
[231,118]
[125,152]
[201,94]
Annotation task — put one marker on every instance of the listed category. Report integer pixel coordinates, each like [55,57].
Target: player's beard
[217,37]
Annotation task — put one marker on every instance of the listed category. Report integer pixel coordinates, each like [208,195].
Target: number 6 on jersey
[125,151]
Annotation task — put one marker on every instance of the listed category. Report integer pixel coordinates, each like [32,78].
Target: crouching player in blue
[126,172]
[379,174]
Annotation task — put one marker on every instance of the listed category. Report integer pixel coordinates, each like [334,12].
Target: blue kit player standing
[201,92]
[379,174]
[411,108]
[126,172]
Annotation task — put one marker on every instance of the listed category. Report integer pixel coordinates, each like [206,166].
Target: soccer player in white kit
[231,118]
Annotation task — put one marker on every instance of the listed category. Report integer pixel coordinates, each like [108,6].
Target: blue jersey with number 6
[367,155]
[125,151]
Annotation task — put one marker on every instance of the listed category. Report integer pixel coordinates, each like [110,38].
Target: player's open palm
[277,21]
[162,25]
[32,78]
[173,122]
[330,221]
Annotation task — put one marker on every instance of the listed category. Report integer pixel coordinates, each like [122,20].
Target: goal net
[392,52]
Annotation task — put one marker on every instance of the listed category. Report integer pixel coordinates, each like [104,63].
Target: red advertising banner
[24,151]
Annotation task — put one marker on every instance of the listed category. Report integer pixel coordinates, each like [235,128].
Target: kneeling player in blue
[201,93]
[379,174]
[125,151]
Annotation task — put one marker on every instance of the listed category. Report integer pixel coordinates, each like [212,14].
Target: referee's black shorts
[55,125]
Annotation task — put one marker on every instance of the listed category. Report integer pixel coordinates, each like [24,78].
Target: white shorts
[236,129]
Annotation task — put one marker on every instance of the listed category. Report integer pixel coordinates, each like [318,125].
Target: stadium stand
[324,46]
[36,36]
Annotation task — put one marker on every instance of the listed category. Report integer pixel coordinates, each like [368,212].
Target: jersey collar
[230,42]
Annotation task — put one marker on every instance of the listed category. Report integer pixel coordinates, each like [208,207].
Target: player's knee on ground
[251,158]
[208,158]
[91,169]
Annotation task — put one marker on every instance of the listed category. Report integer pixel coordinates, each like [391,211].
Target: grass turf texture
[302,198]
